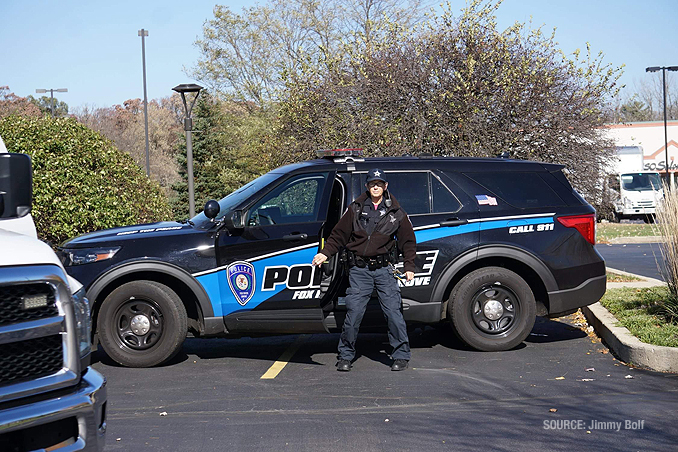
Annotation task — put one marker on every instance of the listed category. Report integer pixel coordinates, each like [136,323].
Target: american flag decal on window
[484,200]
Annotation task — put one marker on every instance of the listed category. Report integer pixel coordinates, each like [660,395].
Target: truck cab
[50,399]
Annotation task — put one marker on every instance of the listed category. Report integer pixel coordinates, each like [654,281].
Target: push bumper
[563,302]
[84,409]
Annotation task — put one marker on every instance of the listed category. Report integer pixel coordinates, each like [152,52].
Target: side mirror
[211,209]
[234,220]
[16,185]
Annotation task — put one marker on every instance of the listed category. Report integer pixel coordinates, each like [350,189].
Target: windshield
[641,181]
[237,197]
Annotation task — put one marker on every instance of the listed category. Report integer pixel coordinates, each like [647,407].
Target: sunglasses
[376,184]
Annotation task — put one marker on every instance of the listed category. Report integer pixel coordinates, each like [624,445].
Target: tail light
[585,224]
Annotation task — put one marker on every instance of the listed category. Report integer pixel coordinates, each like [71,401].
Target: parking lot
[539,396]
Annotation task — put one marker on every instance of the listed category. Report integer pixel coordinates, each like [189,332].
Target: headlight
[70,257]
[83,321]
[627,203]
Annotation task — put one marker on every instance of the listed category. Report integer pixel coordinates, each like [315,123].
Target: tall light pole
[143,33]
[666,139]
[188,127]
[51,91]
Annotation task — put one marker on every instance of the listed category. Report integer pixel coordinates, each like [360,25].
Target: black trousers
[362,283]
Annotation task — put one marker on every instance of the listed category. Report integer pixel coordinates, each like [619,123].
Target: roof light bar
[331,153]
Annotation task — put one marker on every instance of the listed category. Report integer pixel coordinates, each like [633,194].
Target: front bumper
[627,212]
[563,302]
[84,408]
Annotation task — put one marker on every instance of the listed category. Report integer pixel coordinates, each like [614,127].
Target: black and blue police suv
[499,241]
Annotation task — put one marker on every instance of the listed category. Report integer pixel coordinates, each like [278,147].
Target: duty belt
[372,262]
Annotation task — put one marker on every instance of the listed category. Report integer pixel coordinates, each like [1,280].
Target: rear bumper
[86,406]
[568,300]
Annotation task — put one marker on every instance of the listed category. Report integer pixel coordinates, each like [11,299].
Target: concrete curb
[646,280]
[625,345]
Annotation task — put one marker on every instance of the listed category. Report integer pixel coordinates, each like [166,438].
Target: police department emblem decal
[241,281]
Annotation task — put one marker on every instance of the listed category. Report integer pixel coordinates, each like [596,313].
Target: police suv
[499,241]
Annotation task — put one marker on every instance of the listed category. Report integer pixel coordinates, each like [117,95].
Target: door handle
[294,237]
[454,222]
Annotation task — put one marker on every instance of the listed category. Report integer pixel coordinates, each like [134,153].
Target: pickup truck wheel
[492,309]
[142,324]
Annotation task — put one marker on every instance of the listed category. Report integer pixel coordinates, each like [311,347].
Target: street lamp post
[51,91]
[666,138]
[143,33]
[183,89]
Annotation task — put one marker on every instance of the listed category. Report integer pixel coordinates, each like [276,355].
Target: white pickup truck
[50,399]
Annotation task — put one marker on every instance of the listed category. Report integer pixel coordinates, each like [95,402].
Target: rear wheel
[492,309]
[142,324]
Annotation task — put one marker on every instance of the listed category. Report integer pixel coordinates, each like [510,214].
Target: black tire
[615,217]
[649,219]
[142,324]
[493,291]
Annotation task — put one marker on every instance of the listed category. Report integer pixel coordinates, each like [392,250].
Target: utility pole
[143,33]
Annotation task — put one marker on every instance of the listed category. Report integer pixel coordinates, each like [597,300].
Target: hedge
[81,181]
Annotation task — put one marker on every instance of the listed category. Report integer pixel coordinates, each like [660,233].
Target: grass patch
[616,277]
[645,313]
[607,231]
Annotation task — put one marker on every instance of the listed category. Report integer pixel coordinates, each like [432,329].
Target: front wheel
[492,309]
[142,324]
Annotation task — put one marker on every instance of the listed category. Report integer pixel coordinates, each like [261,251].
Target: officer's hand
[409,276]
[318,259]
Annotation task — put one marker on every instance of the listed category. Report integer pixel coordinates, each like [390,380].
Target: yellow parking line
[279,365]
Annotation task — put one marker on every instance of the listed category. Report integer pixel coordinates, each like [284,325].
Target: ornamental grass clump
[667,225]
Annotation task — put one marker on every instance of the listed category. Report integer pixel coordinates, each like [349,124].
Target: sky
[92,47]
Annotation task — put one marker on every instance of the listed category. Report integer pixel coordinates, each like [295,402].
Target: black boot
[343,365]
[399,364]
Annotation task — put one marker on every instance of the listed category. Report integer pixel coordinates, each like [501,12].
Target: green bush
[81,181]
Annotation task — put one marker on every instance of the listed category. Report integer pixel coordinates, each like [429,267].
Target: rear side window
[419,192]
[520,189]
[443,199]
[410,189]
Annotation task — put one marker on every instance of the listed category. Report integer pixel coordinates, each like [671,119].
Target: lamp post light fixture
[143,33]
[184,89]
[666,139]
[51,91]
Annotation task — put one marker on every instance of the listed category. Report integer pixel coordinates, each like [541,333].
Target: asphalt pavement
[640,258]
[561,389]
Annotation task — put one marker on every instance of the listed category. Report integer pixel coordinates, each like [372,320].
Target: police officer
[367,230]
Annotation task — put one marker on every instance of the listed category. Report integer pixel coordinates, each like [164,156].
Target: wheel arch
[189,290]
[525,264]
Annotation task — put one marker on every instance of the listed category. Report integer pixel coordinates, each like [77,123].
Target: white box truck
[635,193]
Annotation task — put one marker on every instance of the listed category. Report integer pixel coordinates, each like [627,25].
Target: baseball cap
[375,174]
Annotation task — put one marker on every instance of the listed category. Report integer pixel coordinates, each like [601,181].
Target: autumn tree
[457,85]
[247,54]
[124,124]
[11,104]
